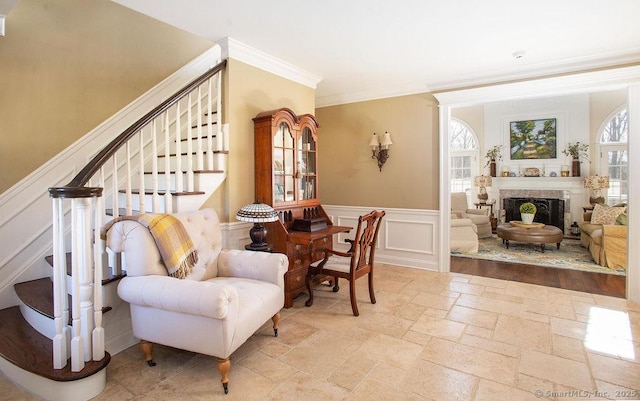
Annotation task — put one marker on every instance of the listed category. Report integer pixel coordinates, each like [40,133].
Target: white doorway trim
[618,78]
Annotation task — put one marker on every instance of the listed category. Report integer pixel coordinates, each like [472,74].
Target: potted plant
[527,212]
[576,151]
[492,155]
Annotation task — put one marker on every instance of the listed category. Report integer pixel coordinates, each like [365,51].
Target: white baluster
[142,196]
[77,342]
[99,253]
[219,111]
[210,165]
[128,189]
[114,182]
[167,165]
[190,185]
[199,151]
[154,166]
[60,307]
[179,184]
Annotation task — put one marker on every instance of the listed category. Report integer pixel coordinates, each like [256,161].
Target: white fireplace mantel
[566,183]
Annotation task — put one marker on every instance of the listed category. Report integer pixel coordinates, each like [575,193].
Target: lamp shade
[375,141]
[386,140]
[596,182]
[257,213]
[482,181]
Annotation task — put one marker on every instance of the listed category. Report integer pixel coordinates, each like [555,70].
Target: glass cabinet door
[283,165]
[306,165]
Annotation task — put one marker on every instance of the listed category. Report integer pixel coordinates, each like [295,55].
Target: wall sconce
[380,150]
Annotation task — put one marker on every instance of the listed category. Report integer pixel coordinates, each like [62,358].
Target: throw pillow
[622,219]
[603,214]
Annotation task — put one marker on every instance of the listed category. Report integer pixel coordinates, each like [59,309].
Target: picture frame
[533,139]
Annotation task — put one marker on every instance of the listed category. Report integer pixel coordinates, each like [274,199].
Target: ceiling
[366,49]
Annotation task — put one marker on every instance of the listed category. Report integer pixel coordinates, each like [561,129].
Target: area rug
[571,255]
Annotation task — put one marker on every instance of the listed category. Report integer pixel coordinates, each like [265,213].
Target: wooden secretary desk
[286,178]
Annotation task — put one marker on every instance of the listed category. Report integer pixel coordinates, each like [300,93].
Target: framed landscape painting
[533,139]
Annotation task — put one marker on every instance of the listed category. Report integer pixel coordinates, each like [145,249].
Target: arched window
[464,156]
[614,155]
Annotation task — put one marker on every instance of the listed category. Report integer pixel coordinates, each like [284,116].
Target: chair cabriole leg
[352,295]
[307,282]
[223,366]
[147,349]
[275,319]
[371,290]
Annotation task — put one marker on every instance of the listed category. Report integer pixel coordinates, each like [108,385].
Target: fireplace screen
[549,211]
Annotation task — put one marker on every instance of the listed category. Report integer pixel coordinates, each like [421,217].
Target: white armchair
[226,298]
[479,217]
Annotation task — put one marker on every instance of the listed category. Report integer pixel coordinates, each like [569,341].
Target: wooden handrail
[75,188]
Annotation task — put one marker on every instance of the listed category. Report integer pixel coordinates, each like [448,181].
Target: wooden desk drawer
[298,249]
[299,261]
[294,279]
[320,243]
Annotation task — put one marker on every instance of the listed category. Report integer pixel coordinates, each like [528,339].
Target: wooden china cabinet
[286,161]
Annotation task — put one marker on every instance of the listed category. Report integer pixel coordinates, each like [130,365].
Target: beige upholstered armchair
[479,217]
[224,298]
[464,236]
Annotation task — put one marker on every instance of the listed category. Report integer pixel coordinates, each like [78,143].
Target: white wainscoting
[408,237]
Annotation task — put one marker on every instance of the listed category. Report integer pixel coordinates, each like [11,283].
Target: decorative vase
[527,218]
[575,168]
[492,168]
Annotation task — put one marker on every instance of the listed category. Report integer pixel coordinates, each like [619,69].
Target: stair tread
[38,295]
[24,347]
[194,171]
[224,152]
[162,192]
[105,281]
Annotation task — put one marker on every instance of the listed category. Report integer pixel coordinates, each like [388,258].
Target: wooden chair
[352,264]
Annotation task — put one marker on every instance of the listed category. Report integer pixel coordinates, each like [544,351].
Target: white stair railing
[119,168]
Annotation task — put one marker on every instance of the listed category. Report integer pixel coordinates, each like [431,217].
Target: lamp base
[258,235]
[596,200]
[482,197]
[259,247]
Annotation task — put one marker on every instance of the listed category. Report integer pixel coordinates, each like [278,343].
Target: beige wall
[67,65]
[248,91]
[348,175]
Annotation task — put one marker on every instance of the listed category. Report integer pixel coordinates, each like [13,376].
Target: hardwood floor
[594,283]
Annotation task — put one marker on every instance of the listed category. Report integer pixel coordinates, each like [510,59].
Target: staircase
[172,159]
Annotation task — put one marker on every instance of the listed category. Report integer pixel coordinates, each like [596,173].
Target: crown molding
[534,73]
[614,78]
[234,49]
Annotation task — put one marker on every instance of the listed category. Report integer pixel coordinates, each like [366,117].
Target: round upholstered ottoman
[535,233]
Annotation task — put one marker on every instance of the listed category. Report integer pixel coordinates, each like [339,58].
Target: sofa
[463,236]
[604,233]
[479,217]
[225,298]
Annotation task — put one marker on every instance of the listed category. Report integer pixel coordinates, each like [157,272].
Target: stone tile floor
[430,336]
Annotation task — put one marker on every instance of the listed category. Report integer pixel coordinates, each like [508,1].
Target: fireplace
[549,211]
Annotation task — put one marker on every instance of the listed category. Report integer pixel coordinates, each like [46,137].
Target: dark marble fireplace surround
[550,205]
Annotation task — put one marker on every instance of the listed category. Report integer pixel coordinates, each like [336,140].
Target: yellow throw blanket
[177,250]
